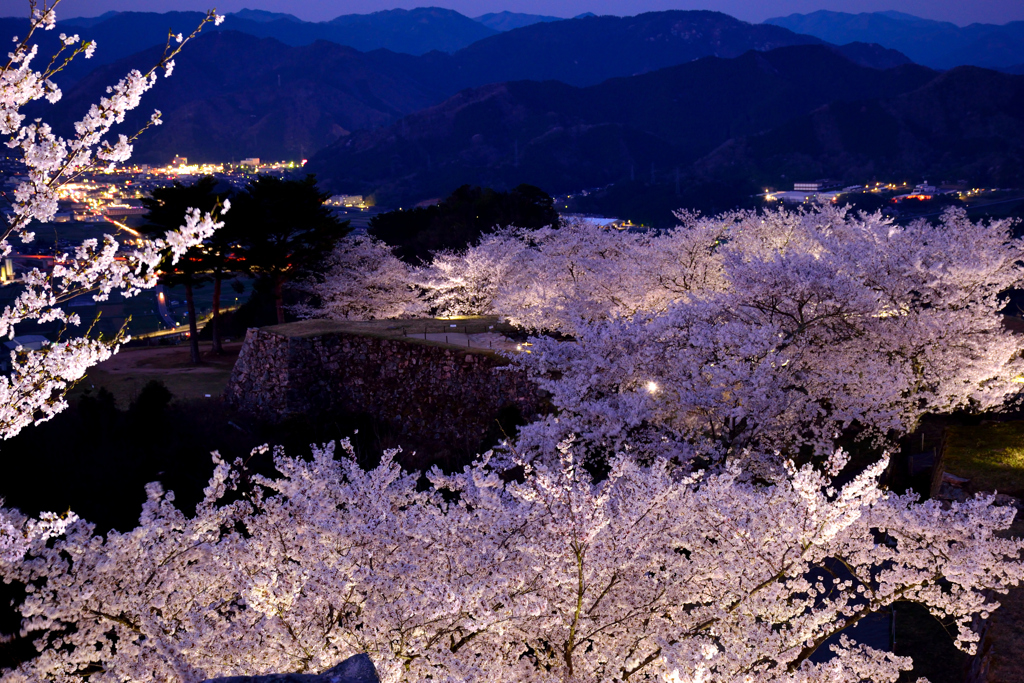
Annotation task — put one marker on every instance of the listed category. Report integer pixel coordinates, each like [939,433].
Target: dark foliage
[167,206]
[167,210]
[865,202]
[259,310]
[285,231]
[654,204]
[461,219]
[965,123]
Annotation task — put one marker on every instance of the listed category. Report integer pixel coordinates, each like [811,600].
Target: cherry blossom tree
[363,280]
[639,576]
[35,389]
[782,329]
[552,278]
[745,334]
[549,278]
[583,272]
[646,573]
[468,282]
[825,322]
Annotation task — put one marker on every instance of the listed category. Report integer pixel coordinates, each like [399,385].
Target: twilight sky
[957,11]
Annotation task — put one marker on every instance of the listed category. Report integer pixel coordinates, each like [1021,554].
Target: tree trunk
[215,319]
[279,298]
[193,337]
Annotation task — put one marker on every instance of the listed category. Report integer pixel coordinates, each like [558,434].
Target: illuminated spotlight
[652,387]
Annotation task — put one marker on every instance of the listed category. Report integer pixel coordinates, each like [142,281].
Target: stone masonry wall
[436,396]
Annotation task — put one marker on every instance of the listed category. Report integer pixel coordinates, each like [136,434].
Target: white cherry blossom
[639,576]
[34,391]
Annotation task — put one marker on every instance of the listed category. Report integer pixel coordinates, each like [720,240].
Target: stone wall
[432,396]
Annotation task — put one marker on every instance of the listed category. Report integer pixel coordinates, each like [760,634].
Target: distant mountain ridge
[588,50]
[365,90]
[507,21]
[938,44]
[263,15]
[676,105]
[580,51]
[416,31]
[564,138]
[86,21]
[965,123]
[234,95]
[121,34]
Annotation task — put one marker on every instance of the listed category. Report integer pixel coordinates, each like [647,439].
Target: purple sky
[958,11]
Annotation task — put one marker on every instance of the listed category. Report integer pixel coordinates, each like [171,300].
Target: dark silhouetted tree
[167,208]
[284,230]
[461,219]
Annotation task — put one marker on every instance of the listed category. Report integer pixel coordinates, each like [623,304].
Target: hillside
[416,31]
[327,90]
[121,34]
[506,21]
[966,123]
[586,51]
[563,138]
[938,44]
[581,51]
[233,96]
[263,15]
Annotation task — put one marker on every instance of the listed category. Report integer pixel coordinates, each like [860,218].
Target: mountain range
[938,44]
[563,138]
[121,34]
[677,108]
[966,123]
[235,95]
[506,21]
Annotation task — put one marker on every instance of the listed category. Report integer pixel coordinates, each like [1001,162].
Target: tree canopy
[168,206]
[285,230]
[461,219]
[724,343]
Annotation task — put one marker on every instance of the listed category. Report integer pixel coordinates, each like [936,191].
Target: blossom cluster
[557,577]
[364,281]
[35,389]
[774,331]
[749,336]
[820,324]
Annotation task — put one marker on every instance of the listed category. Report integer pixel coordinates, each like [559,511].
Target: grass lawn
[125,374]
[991,455]
[441,332]
[393,328]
